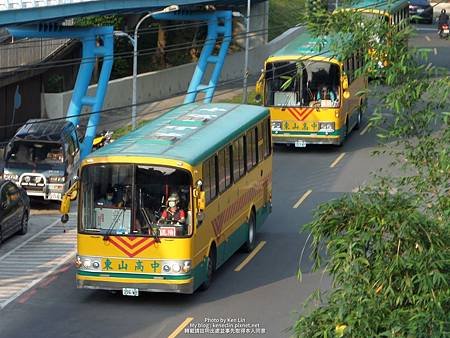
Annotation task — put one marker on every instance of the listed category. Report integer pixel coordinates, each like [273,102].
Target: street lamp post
[134,42]
[247,43]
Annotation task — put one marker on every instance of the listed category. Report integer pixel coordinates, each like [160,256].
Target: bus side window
[267,138]
[228,166]
[250,149]
[221,166]
[209,178]
[260,141]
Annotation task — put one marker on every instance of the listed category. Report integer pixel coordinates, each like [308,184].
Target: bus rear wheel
[249,245]
[359,117]
[210,268]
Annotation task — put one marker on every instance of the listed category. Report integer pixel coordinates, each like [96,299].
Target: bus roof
[378,5]
[189,133]
[305,45]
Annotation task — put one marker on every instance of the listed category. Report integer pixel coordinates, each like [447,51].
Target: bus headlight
[176,267]
[327,127]
[88,263]
[276,125]
[187,266]
[78,262]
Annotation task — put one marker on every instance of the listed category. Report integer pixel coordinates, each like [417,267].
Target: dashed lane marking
[181,327]
[301,199]
[435,51]
[366,128]
[34,260]
[250,256]
[336,161]
[427,38]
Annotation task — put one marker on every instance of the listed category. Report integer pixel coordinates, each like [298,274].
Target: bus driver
[173,213]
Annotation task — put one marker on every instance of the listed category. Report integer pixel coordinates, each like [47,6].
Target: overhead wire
[221,84]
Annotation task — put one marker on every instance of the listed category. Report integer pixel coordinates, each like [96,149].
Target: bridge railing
[21,4]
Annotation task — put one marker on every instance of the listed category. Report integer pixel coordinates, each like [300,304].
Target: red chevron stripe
[132,246]
[305,112]
[293,113]
[306,115]
[125,251]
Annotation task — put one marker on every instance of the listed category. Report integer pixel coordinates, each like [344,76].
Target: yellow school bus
[313,97]
[208,164]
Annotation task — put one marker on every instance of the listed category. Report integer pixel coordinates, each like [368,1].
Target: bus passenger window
[209,178]
[221,167]
[238,158]
[228,166]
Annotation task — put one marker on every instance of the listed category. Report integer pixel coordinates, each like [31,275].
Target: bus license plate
[130,292]
[300,144]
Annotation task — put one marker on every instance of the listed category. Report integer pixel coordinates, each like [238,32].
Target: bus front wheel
[249,245]
[210,268]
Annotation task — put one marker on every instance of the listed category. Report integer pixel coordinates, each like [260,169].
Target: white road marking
[366,128]
[425,29]
[33,260]
[427,38]
[435,50]
[300,201]
[250,256]
[336,161]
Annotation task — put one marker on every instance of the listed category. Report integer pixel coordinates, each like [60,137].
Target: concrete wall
[158,85]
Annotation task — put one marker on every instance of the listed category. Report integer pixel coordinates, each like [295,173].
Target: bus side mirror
[201,201]
[345,83]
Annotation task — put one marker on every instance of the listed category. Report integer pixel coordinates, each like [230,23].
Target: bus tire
[24,225]
[249,245]
[211,267]
[359,117]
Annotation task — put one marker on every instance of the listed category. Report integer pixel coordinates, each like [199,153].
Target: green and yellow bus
[216,159]
[394,12]
[292,85]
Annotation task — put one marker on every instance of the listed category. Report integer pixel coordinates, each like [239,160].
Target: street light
[247,42]
[134,42]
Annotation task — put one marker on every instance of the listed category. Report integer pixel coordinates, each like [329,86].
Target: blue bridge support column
[98,42]
[219,26]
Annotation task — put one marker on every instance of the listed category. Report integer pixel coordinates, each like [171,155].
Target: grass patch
[283,14]
[238,98]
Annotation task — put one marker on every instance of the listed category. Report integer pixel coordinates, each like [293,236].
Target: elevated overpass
[17,12]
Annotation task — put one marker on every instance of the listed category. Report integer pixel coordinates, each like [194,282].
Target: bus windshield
[302,84]
[126,199]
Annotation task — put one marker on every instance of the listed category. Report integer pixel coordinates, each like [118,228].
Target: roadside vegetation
[284,14]
[387,247]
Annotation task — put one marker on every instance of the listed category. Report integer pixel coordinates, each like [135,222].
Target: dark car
[420,11]
[14,210]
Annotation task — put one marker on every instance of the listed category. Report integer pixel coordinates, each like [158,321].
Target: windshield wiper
[113,224]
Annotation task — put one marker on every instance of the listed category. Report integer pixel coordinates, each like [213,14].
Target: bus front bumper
[179,286]
[335,140]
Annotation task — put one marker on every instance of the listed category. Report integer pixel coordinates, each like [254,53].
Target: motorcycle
[102,139]
[444,32]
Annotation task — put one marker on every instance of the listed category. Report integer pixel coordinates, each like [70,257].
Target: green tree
[387,247]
